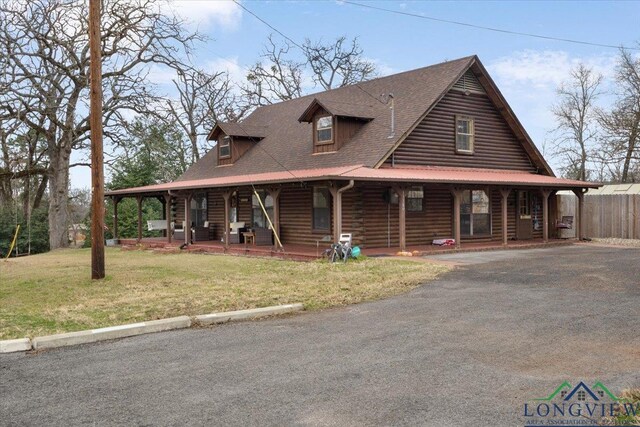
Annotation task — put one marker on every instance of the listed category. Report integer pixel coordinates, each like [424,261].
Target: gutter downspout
[338,208]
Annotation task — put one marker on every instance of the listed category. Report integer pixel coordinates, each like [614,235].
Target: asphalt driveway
[468,349]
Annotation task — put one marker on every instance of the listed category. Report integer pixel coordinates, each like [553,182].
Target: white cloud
[541,69]
[223,14]
[231,65]
[529,80]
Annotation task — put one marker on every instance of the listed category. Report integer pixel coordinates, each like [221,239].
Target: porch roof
[432,175]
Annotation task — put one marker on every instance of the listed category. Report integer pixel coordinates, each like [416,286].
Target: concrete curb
[11,346]
[132,329]
[112,332]
[254,313]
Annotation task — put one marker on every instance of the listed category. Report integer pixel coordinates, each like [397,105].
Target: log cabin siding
[432,142]
[380,219]
[296,213]
[435,220]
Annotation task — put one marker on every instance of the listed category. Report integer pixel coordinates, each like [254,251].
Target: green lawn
[52,293]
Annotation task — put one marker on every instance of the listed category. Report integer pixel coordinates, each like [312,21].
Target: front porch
[310,253]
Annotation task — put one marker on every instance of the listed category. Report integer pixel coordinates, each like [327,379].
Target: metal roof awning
[427,175]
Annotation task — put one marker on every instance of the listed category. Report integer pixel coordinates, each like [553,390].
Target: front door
[523,216]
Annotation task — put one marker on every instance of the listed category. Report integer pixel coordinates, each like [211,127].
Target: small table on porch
[249,237]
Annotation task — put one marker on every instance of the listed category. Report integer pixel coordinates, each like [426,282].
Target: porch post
[402,220]
[167,214]
[580,214]
[545,215]
[139,200]
[457,195]
[504,193]
[187,219]
[116,200]
[227,199]
[337,220]
[275,195]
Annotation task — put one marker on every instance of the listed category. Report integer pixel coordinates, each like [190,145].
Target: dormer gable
[334,123]
[234,140]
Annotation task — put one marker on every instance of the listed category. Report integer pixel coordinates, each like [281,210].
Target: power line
[481,27]
[296,43]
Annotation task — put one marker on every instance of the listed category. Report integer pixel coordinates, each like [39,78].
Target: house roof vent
[469,83]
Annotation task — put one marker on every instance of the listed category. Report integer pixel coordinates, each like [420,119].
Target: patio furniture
[235,235]
[249,237]
[178,232]
[345,239]
[201,233]
[157,224]
[263,236]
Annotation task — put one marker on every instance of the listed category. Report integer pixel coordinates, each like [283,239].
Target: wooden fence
[606,215]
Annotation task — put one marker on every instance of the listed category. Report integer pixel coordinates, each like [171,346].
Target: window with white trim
[225,147]
[324,130]
[464,135]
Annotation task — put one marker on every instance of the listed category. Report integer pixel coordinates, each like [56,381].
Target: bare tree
[203,99]
[575,114]
[276,77]
[46,43]
[279,76]
[338,64]
[621,124]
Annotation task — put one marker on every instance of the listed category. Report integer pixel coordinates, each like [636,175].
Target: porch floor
[311,252]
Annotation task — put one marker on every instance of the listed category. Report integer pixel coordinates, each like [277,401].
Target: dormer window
[324,130]
[225,147]
[464,135]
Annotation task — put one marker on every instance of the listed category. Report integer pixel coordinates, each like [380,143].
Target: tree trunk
[58,199]
[42,187]
[6,193]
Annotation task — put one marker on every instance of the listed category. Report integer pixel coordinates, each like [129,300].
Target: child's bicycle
[338,252]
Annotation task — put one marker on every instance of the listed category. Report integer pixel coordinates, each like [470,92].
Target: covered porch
[385,210]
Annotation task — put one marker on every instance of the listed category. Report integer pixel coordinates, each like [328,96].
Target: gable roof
[237,129]
[288,143]
[334,108]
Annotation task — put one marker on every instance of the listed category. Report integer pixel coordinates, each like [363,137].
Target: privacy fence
[606,215]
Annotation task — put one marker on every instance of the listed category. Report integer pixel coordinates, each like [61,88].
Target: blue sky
[527,70]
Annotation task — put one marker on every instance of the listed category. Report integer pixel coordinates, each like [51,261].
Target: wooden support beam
[402,220]
[139,201]
[457,198]
[227,204]
[580,214]
[187,219]
[545,214]
[167,215]
[116,200]
[504,197]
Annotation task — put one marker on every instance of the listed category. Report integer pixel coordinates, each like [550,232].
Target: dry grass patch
[52,293]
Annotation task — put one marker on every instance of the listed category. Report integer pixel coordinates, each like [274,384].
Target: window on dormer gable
[324,130]
[225,147]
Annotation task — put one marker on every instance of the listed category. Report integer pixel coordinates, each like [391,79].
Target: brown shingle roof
[238,129]
[288,145]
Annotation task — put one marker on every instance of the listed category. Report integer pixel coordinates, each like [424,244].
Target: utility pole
[95,121]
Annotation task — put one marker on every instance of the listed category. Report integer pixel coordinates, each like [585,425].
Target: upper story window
[324,130]
[225,147]
[465,134]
